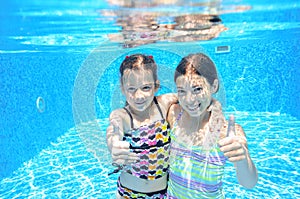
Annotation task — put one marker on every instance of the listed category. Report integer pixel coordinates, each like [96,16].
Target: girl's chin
[194,113]
[139,107]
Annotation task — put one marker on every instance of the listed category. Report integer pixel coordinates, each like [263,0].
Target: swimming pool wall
[260,74]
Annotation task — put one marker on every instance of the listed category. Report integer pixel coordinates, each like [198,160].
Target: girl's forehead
[193,79]
[137,76]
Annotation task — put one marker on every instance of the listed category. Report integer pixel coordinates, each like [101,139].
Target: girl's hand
[120,151]
[233,146]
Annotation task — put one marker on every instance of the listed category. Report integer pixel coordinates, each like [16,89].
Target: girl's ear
[157,85]
[215,86]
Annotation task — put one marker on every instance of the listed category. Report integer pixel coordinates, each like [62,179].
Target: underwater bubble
[40,104]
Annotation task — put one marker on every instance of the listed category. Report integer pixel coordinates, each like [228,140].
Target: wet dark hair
[199,64]
[138,62]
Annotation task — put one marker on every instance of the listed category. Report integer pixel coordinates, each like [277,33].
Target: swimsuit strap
[131,118]
[177,119]
[158,107]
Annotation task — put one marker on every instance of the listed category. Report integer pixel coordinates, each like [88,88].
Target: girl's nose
[190,98]
[139,93]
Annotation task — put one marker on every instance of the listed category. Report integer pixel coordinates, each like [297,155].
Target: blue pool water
[59,82]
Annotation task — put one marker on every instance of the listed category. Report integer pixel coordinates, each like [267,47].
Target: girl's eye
[131,89]
[146,88]
[197,90]
[180,92]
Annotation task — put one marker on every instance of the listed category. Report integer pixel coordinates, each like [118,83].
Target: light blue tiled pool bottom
[66,170]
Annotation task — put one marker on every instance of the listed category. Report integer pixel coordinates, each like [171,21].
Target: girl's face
[194,94]
[138,86]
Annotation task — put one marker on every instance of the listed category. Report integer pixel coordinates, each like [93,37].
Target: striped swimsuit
[195,172]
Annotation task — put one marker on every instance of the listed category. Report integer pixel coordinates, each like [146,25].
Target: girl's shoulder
[175,108]
[167,99]
[173,113]
[121,116]
[117,113]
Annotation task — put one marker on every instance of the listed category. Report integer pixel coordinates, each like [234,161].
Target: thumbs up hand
[231,127]
[120,150]
[121,153]
[234,146]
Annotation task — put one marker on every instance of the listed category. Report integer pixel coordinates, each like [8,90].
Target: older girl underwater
[201,140]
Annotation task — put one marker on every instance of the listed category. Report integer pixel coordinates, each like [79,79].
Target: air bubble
[40,104]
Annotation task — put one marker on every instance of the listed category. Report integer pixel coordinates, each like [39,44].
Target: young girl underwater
[201,140]
[138,135]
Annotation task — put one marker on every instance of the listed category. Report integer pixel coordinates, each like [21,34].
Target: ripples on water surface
[77,26]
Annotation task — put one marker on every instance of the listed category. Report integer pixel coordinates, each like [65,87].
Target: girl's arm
[113,131]
[166,100]
[119,149]
[236,150]
[246,171]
